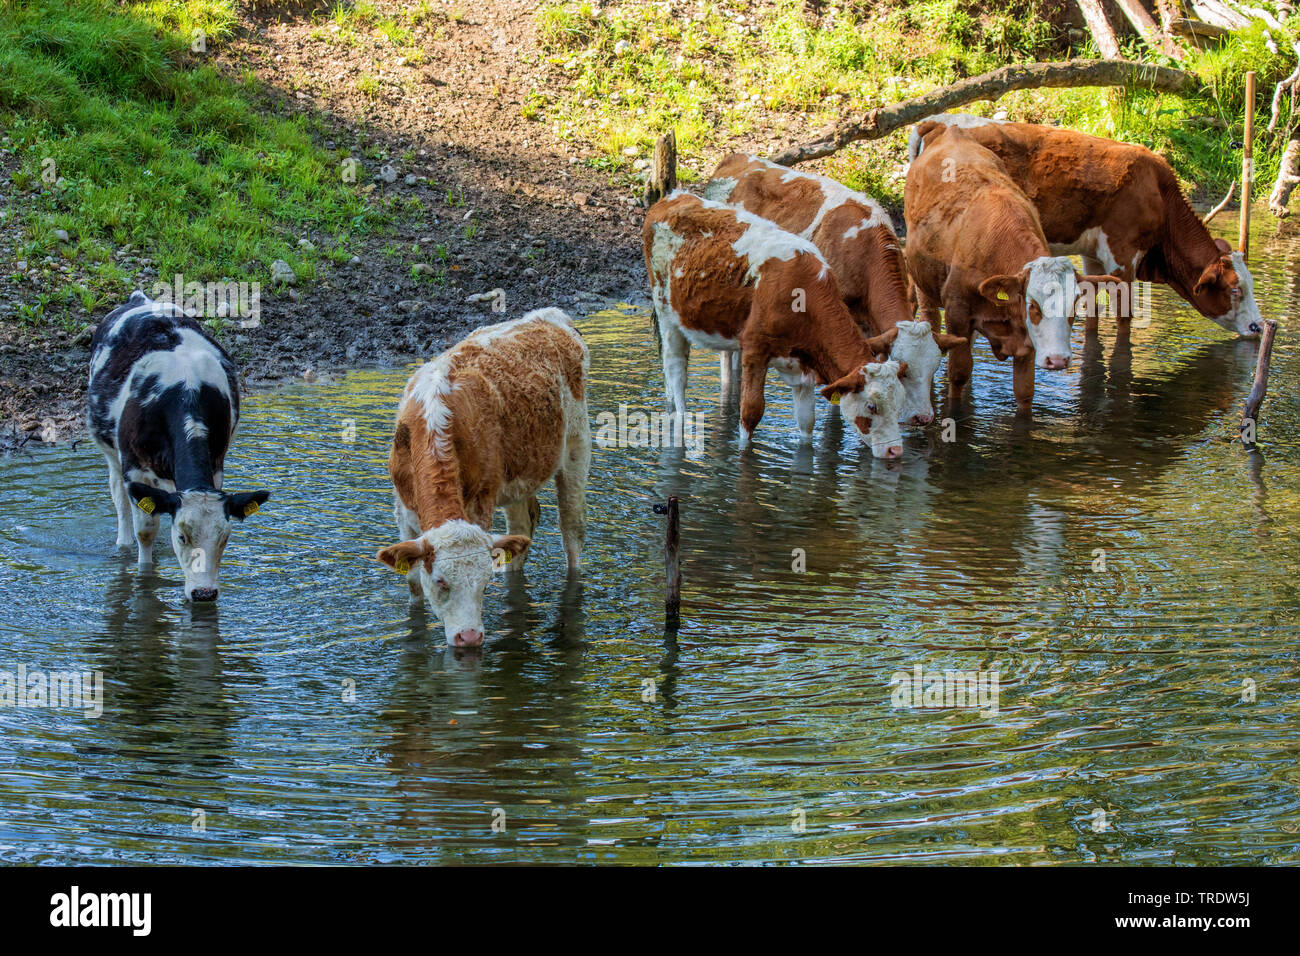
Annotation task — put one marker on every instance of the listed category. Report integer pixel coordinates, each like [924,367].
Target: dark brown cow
[1120,207]
[975,246]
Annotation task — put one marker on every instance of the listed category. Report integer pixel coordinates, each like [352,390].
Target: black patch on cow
[164,502]
[150,433]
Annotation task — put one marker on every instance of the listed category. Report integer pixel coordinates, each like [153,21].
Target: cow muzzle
[1056,363]
[922,418]
[468,637]
[203,594]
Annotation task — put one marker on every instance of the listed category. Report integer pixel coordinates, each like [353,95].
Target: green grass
[624,75]
[154,148]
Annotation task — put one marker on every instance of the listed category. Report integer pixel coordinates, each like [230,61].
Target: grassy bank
[118,131]
[737,70]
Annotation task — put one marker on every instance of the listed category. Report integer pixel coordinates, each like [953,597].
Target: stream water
[1131,575]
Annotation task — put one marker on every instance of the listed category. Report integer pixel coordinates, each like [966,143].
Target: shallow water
[763,728]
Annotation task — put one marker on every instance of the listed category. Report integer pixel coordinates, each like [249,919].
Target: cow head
[455,562]
[201,523]
[872,398]
[914,345]
[1046,292]
[1225,292]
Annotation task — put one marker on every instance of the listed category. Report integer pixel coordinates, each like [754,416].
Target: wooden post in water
[1256,398]
[1247,172]
[672,559]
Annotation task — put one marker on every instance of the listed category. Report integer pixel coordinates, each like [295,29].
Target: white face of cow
[1051,291]
[455,561]
[201,523]
[915,347]
[872,399]
[200,530]
[1243,318]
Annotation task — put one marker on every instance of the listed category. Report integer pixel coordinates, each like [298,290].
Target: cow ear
[855,381]
[507,547]
[902,370]
[947,341]
[1212,276]
[241,505]
[1002,290]
[402,555]
[1223,246]
[152,501]
[881,344]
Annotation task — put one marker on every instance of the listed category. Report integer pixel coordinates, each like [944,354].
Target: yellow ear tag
[834,399]
[147,505]
[502,557]
[250,508]
[1003,297]
[402,566]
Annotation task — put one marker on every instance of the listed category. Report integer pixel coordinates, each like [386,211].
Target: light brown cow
[723,279]
[975,246]
[486,424]
[856,236]
[1120,207]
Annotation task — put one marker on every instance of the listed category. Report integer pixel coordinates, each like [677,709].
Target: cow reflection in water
[481,747]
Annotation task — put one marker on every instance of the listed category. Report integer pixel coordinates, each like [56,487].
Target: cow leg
[676,351]
[146,532]
[522,517]
[1023,382]
[960,362]
[408,527]
[927,308]
[571,492]
[805,409]
[1093,267]
[753,377]
[121,501]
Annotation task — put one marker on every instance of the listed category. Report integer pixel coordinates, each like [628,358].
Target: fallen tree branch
[990,86]
[1205,220]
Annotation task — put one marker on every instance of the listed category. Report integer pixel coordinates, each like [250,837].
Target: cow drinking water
[486,424]
[163,407]
[722,278]
[856,236]
[975,246]
[1120,207]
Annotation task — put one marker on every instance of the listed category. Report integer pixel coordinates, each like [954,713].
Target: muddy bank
[483,200]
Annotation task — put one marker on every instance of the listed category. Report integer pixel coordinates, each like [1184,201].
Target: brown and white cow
[856,236]
[485,425]
[1120,207]
[722,278]
[975,246]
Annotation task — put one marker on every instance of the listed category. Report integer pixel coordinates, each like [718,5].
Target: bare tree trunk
[1095,15]
[1142,22]
[1288,177]
[989,86]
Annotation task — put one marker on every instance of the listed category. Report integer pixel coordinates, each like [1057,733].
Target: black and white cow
[164,403]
